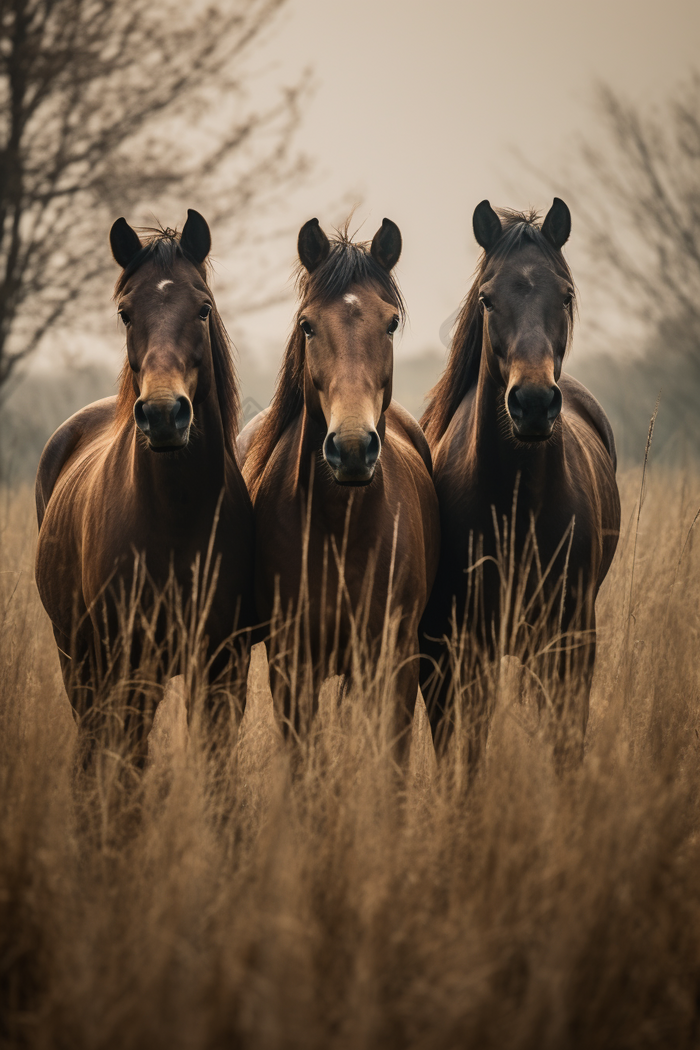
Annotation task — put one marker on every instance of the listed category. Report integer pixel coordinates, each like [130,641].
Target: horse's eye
[568,299]
[393,326]
[306,327]
[125,317]
[205,311]
[486,302]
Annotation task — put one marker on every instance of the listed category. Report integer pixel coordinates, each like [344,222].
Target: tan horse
[151,472]
[345,509]
[524,471]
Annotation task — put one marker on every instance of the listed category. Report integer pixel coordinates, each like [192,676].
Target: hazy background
[423,109]
[416,111]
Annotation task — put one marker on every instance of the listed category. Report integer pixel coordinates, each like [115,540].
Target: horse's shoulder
[64,442]
[245,438]
[579,399]
[402,420]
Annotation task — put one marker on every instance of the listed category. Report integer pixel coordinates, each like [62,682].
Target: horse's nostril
[555,404]
[330,451]
[374,446]
[140,415]
[534,408]
[164,422]
[514,407]
[182,413]
[353,456]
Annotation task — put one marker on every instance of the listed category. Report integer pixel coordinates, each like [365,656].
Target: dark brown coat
[524,469]
[345,509]
[150,475]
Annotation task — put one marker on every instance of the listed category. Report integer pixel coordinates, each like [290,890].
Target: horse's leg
[239,666]
[405,692]
[115,699]
[576,678]
[78,669]
[226,688]
[73,658]
[436,683]
[458,699]
[290,694]
[97,776]
[568,679]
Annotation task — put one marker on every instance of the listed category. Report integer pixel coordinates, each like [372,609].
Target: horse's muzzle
[533,411]
[166,424]
[352,459]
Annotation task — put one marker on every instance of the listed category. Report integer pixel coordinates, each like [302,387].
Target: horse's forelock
[348,263]
[521,228]
[161,247]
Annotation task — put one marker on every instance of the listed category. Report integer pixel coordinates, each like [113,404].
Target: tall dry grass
[338,904]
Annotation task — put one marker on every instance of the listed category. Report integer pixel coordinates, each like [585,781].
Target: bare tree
[637,194]
[107,105]
[643,216]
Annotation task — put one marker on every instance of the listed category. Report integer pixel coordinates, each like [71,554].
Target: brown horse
[151,472]
[345,510]
[525,475]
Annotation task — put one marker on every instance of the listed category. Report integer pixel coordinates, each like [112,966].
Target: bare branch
[103,106]
[637,198]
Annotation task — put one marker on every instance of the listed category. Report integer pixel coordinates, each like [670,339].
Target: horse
[524,468]
[346,515]
[140,496]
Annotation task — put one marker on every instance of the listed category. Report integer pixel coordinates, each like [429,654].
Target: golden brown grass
[341,906]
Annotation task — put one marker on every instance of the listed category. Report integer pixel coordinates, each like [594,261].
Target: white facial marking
[161,285]
[350,298]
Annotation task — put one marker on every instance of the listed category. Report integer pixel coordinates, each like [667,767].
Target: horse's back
[578,399]
[65,442]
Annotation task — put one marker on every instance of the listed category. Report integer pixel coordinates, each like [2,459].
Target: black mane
[462,369]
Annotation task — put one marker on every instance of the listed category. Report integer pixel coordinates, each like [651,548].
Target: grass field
[342,906]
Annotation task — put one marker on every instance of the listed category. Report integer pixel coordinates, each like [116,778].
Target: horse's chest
[325,547]
[126,540]
[526,532]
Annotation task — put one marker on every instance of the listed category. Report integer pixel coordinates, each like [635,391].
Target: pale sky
[421,108]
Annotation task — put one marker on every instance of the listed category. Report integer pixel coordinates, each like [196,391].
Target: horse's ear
[557,224]
[386,245]
[487,226]
[313,245]
[195,238]
[124,242]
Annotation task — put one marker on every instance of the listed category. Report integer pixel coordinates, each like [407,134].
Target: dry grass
[341,906]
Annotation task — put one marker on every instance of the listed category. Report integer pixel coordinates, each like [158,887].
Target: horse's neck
[310,439]
[190,477]
[500,463]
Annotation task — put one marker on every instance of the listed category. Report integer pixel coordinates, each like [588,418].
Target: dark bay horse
[524,468]
[150,474]
[345,509]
